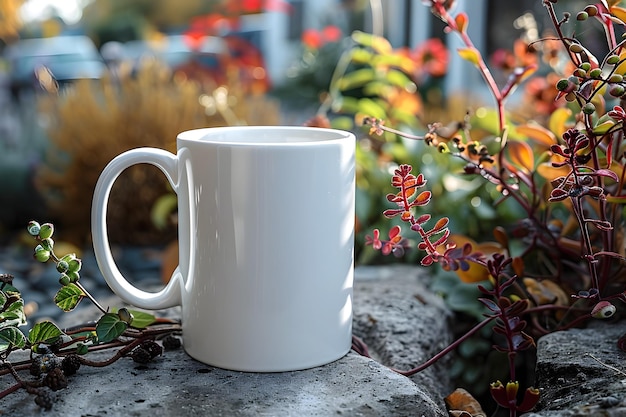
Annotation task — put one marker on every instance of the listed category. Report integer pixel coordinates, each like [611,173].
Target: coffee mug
[266,244]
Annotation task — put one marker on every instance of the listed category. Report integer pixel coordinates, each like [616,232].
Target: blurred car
[65,58]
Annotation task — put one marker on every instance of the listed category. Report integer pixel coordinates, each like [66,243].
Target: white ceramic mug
[266,238]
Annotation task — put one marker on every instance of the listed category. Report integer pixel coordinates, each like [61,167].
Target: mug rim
[301,135]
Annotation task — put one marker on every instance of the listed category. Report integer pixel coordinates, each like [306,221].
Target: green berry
[616,78]
[562,84]
[46,230]
[595,73]
[579,72]
[42,254]
[617,91]
[586,66]
[576,48]
[589,108]
[73,275]
[33,228]
[75,265]
[64,280]
[582,16]
[612,60]
[63,266]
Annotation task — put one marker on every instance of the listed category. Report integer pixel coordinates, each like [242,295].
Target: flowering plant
[560,157]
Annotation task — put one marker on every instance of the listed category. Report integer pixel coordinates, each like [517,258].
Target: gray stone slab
[394,312]
[582,372]
[175,385]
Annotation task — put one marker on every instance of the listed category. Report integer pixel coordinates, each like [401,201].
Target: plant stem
[446,350]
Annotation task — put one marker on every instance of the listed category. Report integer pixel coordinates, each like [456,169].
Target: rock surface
[393,311]
[582,372]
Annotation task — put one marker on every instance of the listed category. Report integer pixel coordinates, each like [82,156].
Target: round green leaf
[110,327]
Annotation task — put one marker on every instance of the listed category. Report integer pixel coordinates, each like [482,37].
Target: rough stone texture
[582,372]
[175,385]
[404,324]
[402,321]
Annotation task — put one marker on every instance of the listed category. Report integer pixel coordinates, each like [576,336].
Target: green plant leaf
[11,336]
[398,78]
[44,332]
[68,297]
[372,108]
[13,315]
[141,319]
[110,327]
[377,43]
[356,79]
[361,56]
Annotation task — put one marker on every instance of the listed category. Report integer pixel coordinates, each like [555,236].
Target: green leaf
[398,78]
[371,108]
[44,332]
[356,79]
[68,297]
[3,298]
[110,327]
[11,336]
[377,43]
[13,315]
[361,56]
[141,319]
[603,125]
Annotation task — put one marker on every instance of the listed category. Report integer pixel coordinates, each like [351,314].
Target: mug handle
[167,162]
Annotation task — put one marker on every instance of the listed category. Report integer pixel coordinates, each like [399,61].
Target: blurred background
[84,80]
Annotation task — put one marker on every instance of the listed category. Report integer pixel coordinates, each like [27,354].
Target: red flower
[429,58]
[311,39]
[331,34]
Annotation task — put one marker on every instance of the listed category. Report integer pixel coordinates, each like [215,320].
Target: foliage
[562,260]
[56,353]
[90,123]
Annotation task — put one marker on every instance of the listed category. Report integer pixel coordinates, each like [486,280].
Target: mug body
[266,232]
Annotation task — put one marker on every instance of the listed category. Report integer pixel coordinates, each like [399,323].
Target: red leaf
[422,199]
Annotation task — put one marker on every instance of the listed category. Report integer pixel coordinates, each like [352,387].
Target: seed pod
[62,266]
[612,59]
[64,280]
[589,108]
[562,84]
[591,10]
[603,310]
[595,73]
[616,78]
[617,91]
[576,48]
[125,315]
[33,228]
